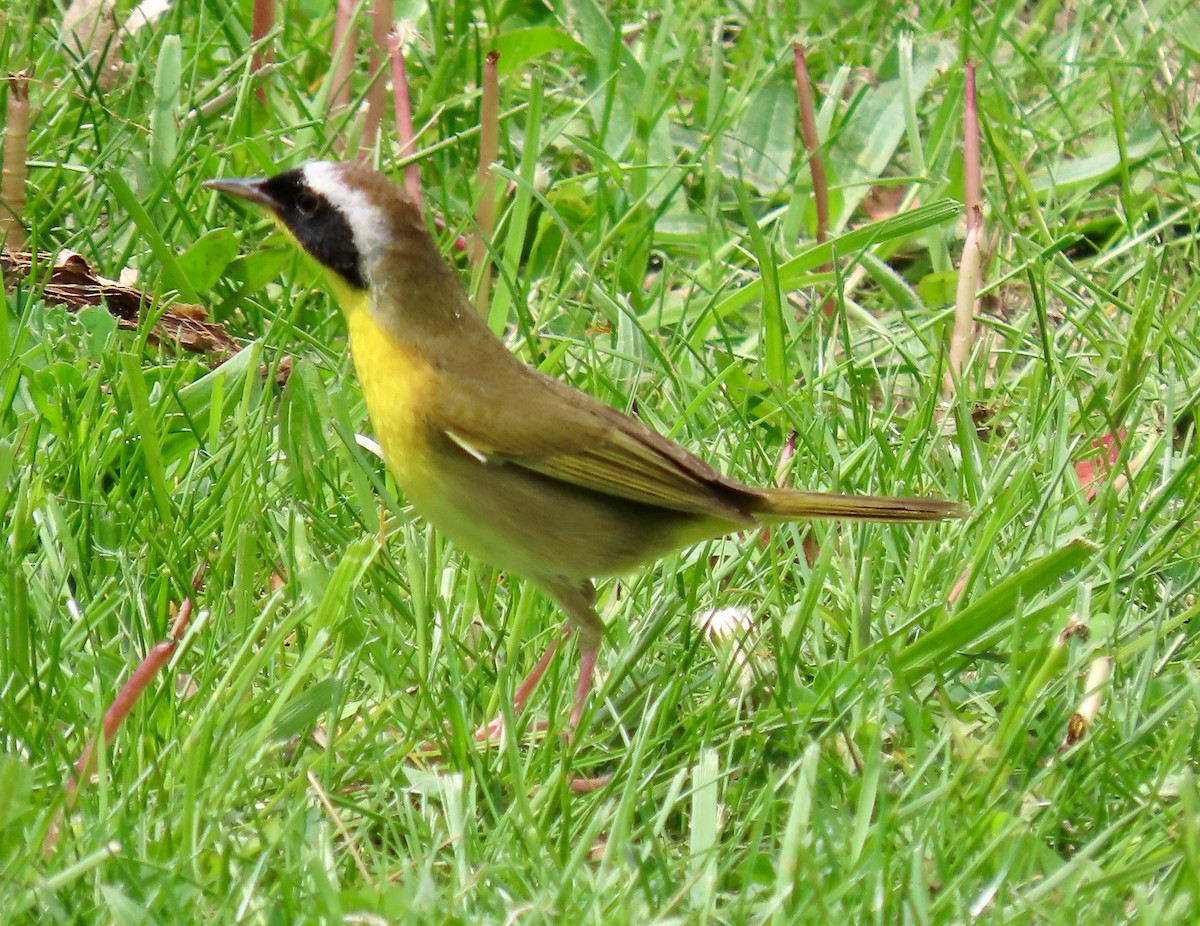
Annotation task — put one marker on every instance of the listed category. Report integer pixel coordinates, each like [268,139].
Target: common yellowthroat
[520,470]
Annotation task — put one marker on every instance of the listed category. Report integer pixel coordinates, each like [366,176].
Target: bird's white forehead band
[367,221]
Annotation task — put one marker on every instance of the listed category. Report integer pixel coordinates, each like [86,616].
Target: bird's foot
[491,731]
[588,785]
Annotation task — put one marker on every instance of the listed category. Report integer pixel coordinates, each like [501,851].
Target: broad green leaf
[255,270]
[229,376]
[1100,164]
[938,288]
[205,261]
[520,46]
[59,380]
[202,407]
[164,129]
[100,326]
[865,144]
[765,138]
[793,271]
[976,623]
[619,81]
[306,709]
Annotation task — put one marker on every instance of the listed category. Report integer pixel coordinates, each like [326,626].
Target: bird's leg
[492,730]
[587,668]
[579,603]
[532,679]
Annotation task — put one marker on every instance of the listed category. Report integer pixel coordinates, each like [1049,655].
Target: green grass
[882,755]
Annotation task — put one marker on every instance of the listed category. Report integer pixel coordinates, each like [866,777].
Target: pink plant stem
[812,142]
[971,172]
[816,161]
[381,23]
[123,703]
[485,213]
[262,21]
[342,63]
[404,125]
[970,270]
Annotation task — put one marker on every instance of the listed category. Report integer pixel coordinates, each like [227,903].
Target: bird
[519,469]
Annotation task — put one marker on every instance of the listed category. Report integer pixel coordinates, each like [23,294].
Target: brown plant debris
[72,282]
[1082,721]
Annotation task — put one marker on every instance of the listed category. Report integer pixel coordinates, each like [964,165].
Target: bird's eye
[307,204]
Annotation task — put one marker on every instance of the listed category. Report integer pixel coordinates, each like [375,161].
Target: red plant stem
[404,125]
[343,55]
[158,656]
[381,23]
[812,142]
[785,460]
[970,270]
[402,101]
[262,21]
[128,697]
[123,703]
[971,173]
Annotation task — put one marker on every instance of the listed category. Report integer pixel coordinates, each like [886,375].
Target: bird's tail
[790,504]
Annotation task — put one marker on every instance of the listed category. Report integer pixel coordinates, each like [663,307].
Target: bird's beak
[250,190]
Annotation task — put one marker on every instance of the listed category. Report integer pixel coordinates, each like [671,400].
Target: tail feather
[790,504]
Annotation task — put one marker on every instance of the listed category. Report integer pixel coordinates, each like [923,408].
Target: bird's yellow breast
[396,382]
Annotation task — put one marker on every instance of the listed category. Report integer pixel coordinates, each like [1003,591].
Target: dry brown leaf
[89,30]
[72,282]
[1082,721]
[146,13]
[883,202]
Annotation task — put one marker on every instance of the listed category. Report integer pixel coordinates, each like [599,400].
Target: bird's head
[348,217]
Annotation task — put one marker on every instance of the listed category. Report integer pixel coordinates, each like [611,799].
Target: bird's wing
[552,429]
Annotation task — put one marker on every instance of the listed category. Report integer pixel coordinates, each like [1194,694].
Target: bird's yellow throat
[395,380]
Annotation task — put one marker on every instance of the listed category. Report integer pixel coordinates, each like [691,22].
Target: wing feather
[581,441]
